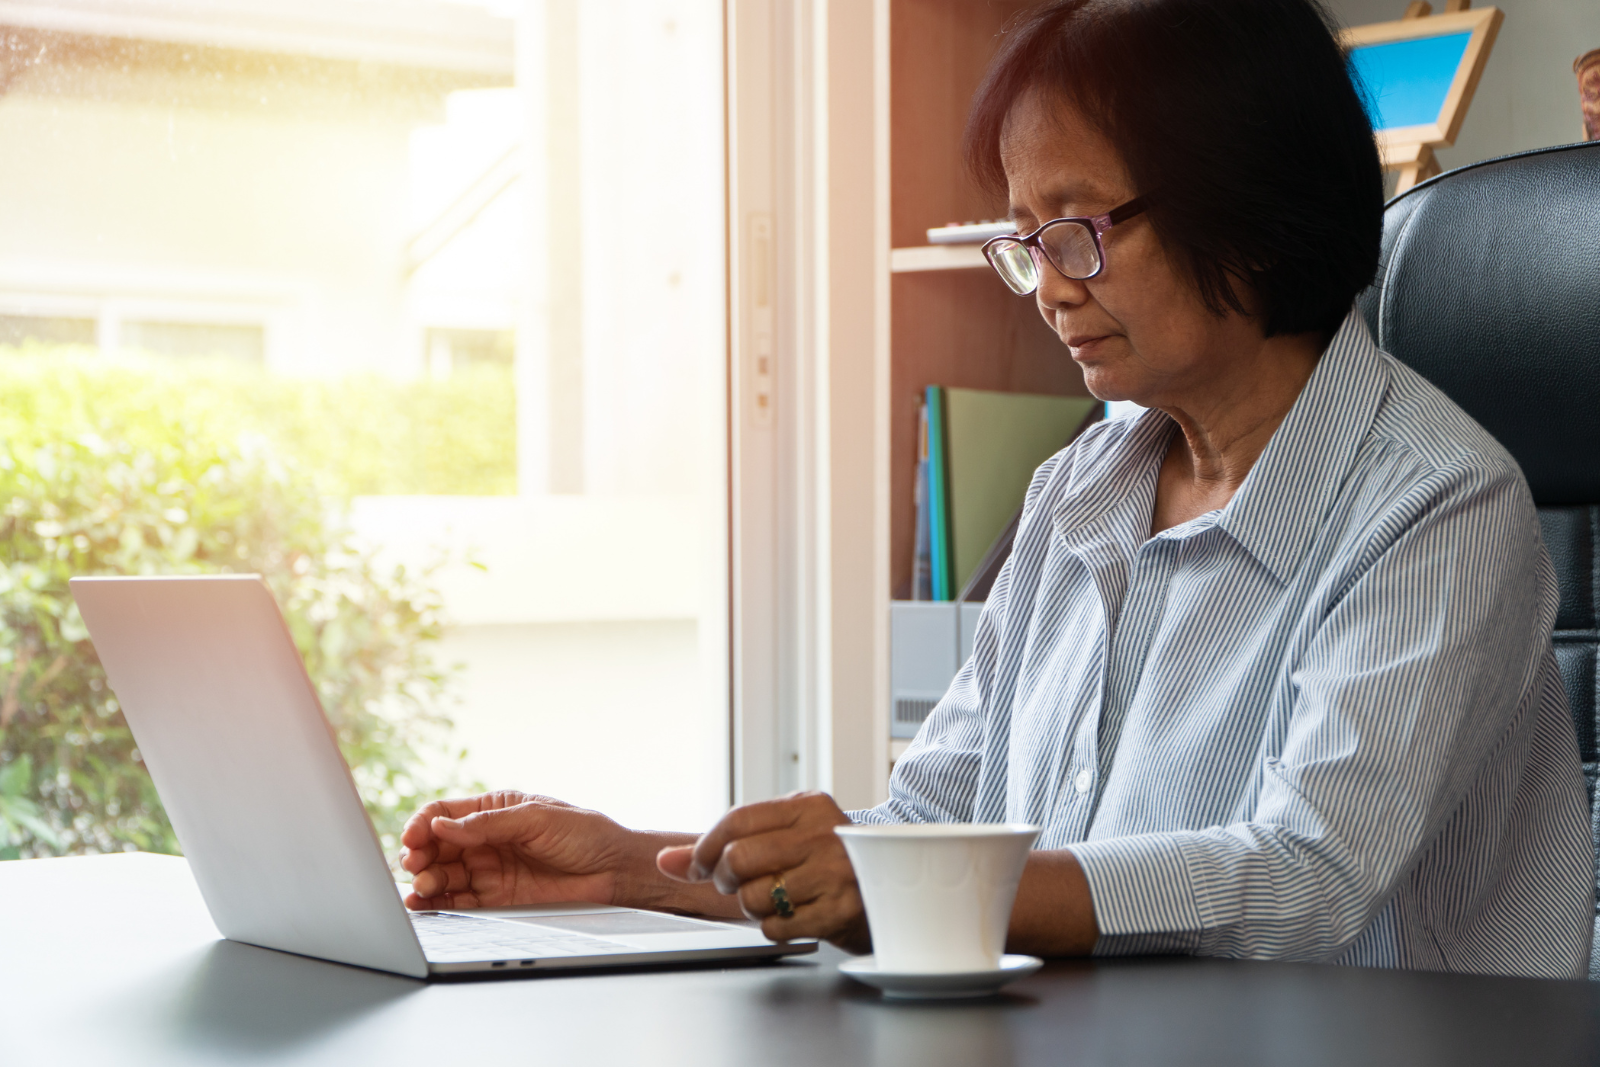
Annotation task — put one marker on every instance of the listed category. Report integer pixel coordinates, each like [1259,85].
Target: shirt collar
[1287,494]
[1120,499]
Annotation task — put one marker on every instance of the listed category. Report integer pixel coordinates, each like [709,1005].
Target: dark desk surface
[113,960]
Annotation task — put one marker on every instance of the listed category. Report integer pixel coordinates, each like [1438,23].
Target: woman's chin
[1104,383]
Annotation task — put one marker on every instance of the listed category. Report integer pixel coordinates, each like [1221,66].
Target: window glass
[415,309]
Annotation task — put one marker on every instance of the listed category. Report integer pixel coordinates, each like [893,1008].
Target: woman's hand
[746,853]
[516,848]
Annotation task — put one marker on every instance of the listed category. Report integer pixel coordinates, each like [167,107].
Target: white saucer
[941,986]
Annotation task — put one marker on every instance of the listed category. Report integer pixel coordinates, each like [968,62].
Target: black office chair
[1490,288]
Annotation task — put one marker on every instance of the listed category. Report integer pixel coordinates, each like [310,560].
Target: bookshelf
[936,257]
[952,322]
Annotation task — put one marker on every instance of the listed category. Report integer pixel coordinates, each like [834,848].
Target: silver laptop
[266,811]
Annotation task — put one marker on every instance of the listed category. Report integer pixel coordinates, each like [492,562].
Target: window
[18,330]
[195,339]
[463,264]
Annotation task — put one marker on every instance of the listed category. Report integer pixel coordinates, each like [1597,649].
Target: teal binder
[941,558]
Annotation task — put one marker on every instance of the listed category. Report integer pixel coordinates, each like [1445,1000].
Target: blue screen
[1406,81]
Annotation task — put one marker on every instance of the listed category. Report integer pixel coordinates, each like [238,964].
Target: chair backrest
[1490,288]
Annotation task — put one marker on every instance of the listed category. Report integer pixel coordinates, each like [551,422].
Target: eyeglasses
[1072,246]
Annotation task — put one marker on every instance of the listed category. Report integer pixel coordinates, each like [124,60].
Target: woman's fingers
[760,817]
[813,811]
[790,838]
[498,826]
[674,861]
[419,828]
[818,882]
[838,919]
[505,848]
[829,910]
[761,854]
[756,898]
[440,879]
[417,860]
[424,847]
[739,861]
[417,832]
[477,878]
[443,902]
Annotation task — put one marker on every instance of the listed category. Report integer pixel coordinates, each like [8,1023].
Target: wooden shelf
[936,257]
[952,321]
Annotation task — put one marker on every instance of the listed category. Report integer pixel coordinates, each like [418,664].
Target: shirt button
[1082,782]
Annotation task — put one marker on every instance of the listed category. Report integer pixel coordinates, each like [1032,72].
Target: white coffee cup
[938,895]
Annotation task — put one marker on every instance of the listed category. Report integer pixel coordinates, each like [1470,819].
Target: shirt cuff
[1145,894]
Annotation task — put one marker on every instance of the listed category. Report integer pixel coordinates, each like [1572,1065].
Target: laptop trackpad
[649,930]
[618,923]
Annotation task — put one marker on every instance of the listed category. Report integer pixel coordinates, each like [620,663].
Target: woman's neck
[1224,426]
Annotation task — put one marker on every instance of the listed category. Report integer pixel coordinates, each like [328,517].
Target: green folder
[993,443]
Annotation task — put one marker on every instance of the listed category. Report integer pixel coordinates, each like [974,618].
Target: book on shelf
[977,451]
[939,529]
[921,557]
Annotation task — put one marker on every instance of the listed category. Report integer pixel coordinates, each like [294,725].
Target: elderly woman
[1271,663]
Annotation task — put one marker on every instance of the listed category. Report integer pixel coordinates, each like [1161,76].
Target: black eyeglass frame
[1095,224]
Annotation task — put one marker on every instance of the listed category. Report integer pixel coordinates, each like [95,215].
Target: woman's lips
[1084,345]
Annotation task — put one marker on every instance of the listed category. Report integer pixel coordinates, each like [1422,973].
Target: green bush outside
[109,470]
[357,435]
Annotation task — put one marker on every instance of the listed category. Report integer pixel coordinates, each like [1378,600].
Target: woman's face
[1138,329]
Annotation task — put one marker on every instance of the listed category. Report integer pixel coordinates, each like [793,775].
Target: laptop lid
[260,797]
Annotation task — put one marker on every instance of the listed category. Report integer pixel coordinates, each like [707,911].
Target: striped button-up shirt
[1324,722]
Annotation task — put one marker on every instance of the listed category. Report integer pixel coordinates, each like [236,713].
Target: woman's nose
[1056,291]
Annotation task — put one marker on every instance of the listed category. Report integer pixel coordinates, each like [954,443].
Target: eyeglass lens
[1069,245]
[1013,261]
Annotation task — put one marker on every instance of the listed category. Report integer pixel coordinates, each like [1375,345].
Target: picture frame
[1422,71]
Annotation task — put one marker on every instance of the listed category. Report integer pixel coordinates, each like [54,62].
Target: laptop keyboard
[449,938]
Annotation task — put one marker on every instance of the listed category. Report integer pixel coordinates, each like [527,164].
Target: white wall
[593,668]
[549,559]
[1528,97]
[606,715]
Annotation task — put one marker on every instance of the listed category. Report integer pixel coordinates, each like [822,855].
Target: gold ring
[780,900]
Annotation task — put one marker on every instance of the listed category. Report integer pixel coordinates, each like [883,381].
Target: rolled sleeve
[1144,898]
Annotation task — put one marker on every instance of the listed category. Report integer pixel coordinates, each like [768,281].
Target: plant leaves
[110,468]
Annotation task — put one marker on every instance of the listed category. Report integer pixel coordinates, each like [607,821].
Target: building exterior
[238,176]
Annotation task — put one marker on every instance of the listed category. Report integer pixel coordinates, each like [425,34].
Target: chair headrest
[1490,288]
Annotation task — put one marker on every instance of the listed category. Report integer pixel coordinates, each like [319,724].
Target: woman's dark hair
[1238,117]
